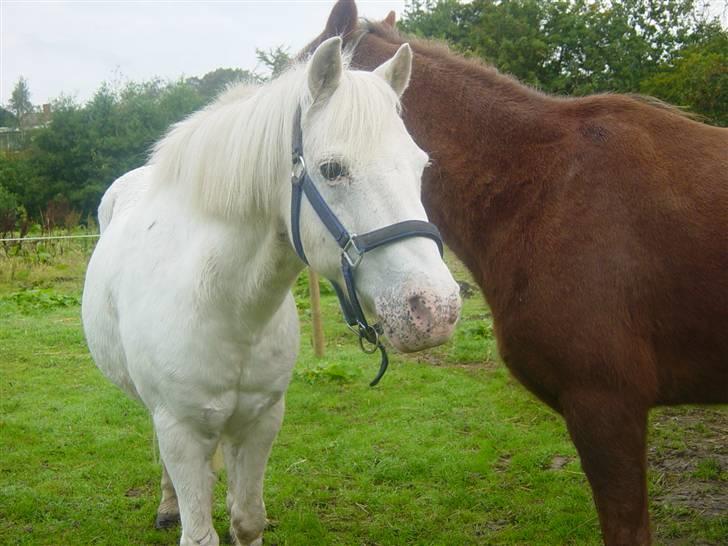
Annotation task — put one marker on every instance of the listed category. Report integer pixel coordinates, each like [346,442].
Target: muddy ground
[688,465]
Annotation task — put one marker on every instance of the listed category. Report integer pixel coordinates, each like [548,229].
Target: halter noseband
[353,246]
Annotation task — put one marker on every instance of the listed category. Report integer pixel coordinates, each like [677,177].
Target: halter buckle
[351,252]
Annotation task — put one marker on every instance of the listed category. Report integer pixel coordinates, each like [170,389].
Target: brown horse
[597,228]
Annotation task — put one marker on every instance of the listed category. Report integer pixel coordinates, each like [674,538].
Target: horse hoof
[230,539]
[166,521]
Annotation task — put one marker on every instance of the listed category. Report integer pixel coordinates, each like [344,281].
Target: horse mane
[662,105]
[234,154]
[481,70]
[439,51]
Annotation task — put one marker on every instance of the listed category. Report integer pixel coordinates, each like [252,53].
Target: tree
[7,118]
[276,59]
[85,148]
[697,78]
[20,103]
[599,45]
[8,211]
[562,46]
[213,83]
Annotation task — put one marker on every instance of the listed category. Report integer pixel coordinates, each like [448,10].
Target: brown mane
[486,73]
[439,51]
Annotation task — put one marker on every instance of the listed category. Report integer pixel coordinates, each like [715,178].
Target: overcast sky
[72,47]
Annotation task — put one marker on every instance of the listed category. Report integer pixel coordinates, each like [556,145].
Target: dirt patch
[688,461]
[503,463]
[559,462]
[442,361]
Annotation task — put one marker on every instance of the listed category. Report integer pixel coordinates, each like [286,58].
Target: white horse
[187,304]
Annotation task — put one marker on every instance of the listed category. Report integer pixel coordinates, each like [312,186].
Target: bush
[8,211]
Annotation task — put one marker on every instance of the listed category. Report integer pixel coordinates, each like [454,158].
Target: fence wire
[51,238]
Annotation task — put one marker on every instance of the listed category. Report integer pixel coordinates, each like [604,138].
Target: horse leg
[246,457]
[187,455]
[168,511]
[609,431]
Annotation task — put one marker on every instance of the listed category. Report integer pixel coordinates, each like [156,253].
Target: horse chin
[412,344]
[418,321]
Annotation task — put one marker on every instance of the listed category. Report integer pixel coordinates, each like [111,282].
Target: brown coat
[597,229]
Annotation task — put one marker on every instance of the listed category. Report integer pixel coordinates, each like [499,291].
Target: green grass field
[447,450]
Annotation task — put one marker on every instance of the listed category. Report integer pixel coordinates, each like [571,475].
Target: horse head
[365,167]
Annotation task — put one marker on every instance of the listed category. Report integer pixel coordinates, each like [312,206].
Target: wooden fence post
[318,329]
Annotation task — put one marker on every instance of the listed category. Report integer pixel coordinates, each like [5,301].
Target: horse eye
[332,170]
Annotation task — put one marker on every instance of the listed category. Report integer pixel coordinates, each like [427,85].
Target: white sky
[71,47]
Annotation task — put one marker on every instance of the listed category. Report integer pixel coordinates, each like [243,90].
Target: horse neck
[237,230]
[245,267]
[483,131]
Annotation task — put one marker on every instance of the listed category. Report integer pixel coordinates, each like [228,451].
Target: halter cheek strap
[353,246]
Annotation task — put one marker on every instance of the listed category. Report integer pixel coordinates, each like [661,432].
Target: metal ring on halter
[299,167]
[374,345]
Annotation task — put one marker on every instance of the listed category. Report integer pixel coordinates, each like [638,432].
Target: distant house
[11,137]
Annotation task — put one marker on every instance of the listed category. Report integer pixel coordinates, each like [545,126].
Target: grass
[447,450]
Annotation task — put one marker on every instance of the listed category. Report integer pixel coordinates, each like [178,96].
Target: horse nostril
[416,304]
[420,311]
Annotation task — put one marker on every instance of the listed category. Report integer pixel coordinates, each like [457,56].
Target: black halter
[353,246]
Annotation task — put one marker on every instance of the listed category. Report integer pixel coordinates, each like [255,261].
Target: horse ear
[342,19]
[397,70]
[390,20]
[324,68]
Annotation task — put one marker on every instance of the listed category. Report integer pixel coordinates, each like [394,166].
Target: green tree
[213,83]
[85,148]
[563,46]
[509,34]
[612,46]
[68,165]
[20,103]
[18,175]
[7,119]
[697,78]
[8,211]
[276,59]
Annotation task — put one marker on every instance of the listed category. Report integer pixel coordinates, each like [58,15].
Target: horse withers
[597,228]
[187,304]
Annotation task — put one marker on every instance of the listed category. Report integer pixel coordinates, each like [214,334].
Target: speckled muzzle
[418,317]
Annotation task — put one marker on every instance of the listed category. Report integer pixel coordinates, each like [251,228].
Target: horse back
[619,264]
[122,195]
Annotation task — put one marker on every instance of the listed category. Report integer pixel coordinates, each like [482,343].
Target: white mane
[234,153]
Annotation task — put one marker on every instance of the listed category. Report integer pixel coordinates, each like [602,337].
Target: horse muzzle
[418,318]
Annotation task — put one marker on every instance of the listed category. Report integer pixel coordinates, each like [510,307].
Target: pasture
[448,449]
